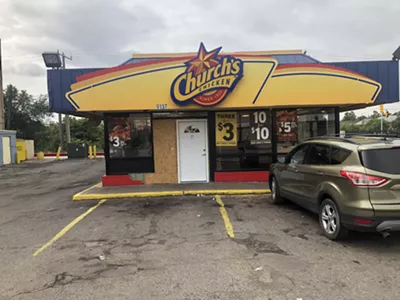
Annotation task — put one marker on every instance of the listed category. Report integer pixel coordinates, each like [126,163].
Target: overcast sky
[103,33]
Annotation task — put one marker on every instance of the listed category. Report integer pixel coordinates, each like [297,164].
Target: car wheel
[276,197]
[330,221]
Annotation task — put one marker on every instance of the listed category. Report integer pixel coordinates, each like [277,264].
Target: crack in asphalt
[260,246]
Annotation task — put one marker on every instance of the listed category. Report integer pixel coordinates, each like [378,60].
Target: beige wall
[165,153]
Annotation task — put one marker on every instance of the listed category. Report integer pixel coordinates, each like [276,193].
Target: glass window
[318,155]
[297,125]
[243,140]
[244,163]
[298,156]
[130,136]
[339,155]
[382,160]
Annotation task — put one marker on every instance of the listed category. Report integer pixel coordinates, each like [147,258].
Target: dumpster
[77,150]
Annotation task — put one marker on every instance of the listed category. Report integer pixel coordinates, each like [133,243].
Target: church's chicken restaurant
[212,116]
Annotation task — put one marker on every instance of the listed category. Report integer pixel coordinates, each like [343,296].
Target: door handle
[294,169]
[320,173]
[203,154]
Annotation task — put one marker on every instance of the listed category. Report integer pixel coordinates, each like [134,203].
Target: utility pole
[2,121]
[67,122]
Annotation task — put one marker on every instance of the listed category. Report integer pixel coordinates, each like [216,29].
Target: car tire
[276,197]
[330,221]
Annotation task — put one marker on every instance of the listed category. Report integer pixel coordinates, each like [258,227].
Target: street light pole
[67,121]
[2,118]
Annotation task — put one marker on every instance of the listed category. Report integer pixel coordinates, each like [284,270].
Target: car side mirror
[282,159]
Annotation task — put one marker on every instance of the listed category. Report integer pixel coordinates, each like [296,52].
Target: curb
[81,196]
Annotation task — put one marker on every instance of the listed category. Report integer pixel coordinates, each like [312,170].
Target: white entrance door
[192,150]
[6,150]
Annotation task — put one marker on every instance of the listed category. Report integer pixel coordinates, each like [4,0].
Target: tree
[361,118]
[349,116]
[83,132]
[374,126]
[23,113]
[375,115]
[31,119]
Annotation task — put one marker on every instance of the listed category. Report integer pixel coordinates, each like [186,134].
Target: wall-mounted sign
[226,129]
[208,78]
[119,133]
[185,81]
[260,124]
[286,123]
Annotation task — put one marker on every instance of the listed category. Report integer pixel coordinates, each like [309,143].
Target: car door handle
[294,169]
[320,173]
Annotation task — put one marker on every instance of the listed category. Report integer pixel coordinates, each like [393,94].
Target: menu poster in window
[287,125]
[119,133]
[260,123]
[226,129]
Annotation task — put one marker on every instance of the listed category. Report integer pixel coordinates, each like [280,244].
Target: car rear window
[382,160]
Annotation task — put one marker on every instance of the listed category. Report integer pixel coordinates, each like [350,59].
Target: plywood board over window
[165,153]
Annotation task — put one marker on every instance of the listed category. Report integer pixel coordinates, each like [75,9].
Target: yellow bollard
[40,155]
[90,152]
[94,151]
[58,153]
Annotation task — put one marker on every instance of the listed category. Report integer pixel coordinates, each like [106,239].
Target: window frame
[295,150]
[330,147]
[243,156]
[323,145]
[340,149]
[126,165]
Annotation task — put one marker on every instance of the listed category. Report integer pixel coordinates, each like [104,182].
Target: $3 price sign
[228,130]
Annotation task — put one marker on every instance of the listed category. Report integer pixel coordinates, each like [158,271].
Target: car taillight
[360,179]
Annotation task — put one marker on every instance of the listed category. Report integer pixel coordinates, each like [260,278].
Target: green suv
[352,183]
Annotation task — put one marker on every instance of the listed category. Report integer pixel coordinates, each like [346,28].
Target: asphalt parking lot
[174,248]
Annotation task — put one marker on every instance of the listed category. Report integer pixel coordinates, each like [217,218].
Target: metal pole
[60,129]
[381,125]
[2,120]
[67,122]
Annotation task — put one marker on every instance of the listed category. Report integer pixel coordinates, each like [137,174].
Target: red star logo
[203,61]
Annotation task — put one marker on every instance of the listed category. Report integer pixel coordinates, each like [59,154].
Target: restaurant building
[212,116]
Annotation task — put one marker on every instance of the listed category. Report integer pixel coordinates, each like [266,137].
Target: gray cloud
[25,69]
[105,33]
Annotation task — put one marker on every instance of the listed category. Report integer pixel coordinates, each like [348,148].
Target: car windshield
[382,160]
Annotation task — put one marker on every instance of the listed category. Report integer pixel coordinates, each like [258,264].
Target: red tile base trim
[119,180]
[256,176]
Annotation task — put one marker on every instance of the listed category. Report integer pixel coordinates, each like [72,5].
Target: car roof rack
[332,137]
[346,137]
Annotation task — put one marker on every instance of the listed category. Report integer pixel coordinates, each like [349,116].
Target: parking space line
[88,189]
[225,217]
[68,227]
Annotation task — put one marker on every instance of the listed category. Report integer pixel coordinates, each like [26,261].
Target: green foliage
[32,120]
[83,132]
[349,116]
[371,125]
[24,114]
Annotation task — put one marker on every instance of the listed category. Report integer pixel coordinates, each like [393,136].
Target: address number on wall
[162,106]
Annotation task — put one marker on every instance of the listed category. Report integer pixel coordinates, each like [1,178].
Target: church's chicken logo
[208,78]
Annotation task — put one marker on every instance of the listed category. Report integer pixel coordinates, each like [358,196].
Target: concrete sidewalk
[99,192]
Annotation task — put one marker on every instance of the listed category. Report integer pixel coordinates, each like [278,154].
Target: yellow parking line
[68,227]
[225,217]
[88,189]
